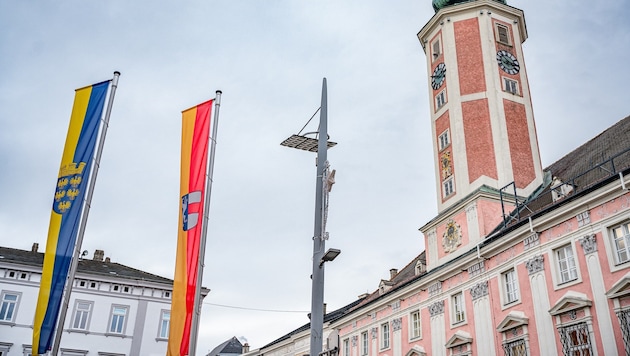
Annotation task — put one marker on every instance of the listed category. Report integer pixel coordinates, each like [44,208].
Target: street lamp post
[319,234]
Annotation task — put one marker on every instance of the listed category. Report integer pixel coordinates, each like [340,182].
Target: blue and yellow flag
[67,208]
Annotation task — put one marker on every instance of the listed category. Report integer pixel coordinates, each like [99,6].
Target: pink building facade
[520,260]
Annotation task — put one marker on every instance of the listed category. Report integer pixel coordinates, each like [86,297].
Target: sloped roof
[104,268]
[232,346]
[328,317]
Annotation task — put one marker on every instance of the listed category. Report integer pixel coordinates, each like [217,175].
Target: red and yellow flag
[195,138]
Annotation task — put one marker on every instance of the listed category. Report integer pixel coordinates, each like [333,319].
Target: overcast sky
[269,58]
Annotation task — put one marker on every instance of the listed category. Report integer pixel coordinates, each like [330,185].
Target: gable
[621,288]
[459,338]
[570,301]
[512,320]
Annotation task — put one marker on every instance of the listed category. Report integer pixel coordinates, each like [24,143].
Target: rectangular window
[436,48]
[621,243]
[82,312]
[165,322]
[567,269]
[440,99]
[624,322]
[502,34]
[510,86]
[118,318]
[511,286]
[364,343]
[447,185]
[8,309]
[385,336]
[515,348]
[346,347]
[444,140]
[458,308]
[576,340]
[416,328]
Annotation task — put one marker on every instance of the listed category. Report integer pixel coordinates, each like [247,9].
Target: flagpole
[204,228]
[85,213]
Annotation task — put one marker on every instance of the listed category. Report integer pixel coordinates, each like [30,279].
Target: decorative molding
[374,332]
[477,269]
[397,324]
[535,264]
[479,290]
[436,308]
[589,244]
[531,241]
[354,339]
[435,288]
[583,218]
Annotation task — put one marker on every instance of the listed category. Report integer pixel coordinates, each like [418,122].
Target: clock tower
[482,123]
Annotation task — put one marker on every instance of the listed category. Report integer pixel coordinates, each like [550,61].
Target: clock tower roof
[439,4]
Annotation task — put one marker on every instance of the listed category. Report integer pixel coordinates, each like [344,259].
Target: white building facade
[114,310]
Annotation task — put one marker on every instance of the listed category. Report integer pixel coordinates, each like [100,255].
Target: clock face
[437,79]
[508,62]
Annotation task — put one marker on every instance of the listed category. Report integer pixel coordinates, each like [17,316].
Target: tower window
[444,140]
[502,33]
[436,49]
[510,86]
[448,187]
[440,99]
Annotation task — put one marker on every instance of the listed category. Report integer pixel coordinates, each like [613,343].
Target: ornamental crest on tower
[452,236]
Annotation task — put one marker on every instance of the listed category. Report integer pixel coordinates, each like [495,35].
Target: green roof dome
[439,4]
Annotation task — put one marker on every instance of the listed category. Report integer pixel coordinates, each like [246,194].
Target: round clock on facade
[437,79]
[508,62]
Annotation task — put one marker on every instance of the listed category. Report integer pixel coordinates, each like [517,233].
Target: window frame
[164,324]
[437,41]
[625,228]
[13,310]
[509,83]
[112,315]
[364,343]
[346,347]
[385,336]
[509,345]
[567,348]
[497,34]
[448,187]
[569,258]
[458,308]
[440,100]
[510,295]
[75,312]
[415,325]
[444,140]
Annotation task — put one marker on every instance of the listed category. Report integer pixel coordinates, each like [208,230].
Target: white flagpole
[194,330]
[84,216]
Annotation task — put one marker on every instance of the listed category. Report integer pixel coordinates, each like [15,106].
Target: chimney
[35,247]
[245,348]
[392,273]
[98,255]
[324,308]
[107,260]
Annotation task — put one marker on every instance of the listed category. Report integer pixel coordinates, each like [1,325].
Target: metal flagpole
[86,211]
[194,330]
